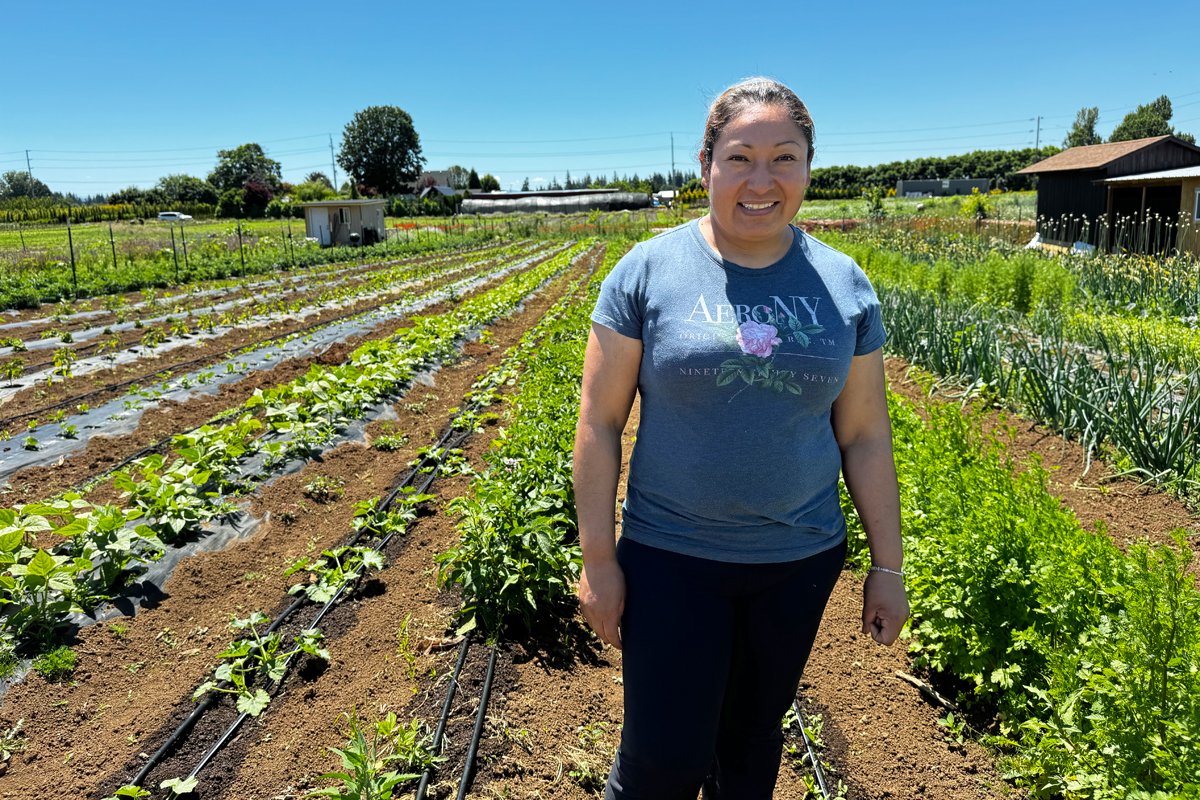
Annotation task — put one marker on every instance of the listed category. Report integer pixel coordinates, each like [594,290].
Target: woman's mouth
[758,206]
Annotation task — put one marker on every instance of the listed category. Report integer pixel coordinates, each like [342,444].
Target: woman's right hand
[602,599]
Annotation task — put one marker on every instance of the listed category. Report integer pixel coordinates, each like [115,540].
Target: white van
[173,216]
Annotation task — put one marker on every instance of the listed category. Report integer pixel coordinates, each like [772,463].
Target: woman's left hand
[885,606]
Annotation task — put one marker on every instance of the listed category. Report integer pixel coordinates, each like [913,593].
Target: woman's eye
[787,157]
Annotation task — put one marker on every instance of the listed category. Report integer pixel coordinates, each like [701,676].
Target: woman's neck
[754,255]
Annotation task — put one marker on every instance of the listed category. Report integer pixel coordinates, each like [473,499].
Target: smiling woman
[756,351]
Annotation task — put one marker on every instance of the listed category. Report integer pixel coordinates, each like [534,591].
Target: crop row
[1082,662]
[169,497]
[518,553]
[1108,383]
[252,312]
[73,431]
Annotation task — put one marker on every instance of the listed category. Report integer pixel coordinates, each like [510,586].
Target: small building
[941,187]
[334,222]
[1079,200]
[554,201]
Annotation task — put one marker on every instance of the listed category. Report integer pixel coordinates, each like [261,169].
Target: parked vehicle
[173,216]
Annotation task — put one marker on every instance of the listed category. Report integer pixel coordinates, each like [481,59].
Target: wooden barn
[1080,199]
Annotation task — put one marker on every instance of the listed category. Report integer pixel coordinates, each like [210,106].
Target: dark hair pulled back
[746,94]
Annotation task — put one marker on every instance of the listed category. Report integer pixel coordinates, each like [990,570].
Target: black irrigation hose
[468,766]
[209,700]
[812,751]
[440,732]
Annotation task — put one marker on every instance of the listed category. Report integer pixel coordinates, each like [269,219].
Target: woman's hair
[746,94]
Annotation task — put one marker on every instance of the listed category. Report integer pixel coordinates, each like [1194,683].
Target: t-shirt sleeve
[621,305]
[871,333]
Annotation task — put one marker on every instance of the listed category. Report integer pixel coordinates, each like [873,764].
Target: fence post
[71,247]
[183,238]
[20,230]
[241,251]
[113,244]
[174,255]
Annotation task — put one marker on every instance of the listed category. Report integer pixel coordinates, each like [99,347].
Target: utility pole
[28,169]
[1037,141]
[674,183]
[333,163]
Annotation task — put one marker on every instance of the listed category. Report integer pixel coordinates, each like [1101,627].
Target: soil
[392,650]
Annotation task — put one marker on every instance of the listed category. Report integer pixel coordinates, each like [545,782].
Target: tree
[1083,131]
[525,185]
[312,190]
[1152,119]
[21,184]
[187,189]
[244,163]
[473,180]
[132,195]
[459,177]
[381,150]
[488,183]
[318,177]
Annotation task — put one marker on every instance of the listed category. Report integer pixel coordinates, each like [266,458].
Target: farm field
[429,433]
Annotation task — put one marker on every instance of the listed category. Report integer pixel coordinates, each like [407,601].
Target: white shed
[331,222]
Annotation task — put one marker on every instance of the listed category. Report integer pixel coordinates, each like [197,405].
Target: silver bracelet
[898,572]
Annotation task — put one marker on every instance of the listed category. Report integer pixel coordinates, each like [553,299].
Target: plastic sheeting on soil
[601,201]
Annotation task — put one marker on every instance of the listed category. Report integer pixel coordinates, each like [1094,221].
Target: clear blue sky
[107,95]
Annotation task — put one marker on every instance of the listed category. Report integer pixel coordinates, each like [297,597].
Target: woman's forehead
[761,125]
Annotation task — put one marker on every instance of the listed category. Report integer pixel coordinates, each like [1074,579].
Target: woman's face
[757,178]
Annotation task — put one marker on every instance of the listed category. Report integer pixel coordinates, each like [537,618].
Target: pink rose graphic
[758,339]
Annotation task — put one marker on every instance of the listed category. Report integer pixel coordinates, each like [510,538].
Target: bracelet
[898,572]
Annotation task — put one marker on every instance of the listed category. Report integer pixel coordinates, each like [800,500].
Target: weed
[325,489]
[394,755]
[404,646]
[589,761]
[119,630]
[12,741]
[56,665]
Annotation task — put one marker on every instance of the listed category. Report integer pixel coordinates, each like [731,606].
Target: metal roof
[1164,175]
[360,202]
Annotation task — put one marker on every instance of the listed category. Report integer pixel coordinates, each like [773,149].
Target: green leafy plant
[372,768]
[590,758]
[12,369]
[257,659]
[12,741]
[334,569]
[129,790]
[57,665]
[325,489]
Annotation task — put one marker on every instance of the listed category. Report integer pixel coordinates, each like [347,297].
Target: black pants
[713,652]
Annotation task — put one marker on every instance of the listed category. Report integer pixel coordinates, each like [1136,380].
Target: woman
[756,352]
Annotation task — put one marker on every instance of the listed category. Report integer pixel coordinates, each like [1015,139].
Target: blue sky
[107,95]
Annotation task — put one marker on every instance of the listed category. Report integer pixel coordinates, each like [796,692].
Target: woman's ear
[703,171]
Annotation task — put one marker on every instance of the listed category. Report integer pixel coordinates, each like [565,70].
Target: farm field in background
[374,452]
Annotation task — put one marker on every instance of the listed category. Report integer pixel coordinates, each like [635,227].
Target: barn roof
[1094,156]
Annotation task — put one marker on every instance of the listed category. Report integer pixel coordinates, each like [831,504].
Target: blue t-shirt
[735,458]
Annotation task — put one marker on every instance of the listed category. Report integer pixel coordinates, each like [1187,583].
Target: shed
[554,201]
[942,187]
[331,222]
[1075,202]
[1148,193]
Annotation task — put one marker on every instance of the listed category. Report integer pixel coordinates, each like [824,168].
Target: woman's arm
[864,435]
[610,372]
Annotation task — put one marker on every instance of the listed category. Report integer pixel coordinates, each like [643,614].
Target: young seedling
[394,755]
[332,570]
[256,660]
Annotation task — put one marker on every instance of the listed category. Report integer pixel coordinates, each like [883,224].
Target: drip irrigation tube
[468,766]
[812,751]
[209,700]
[440,732]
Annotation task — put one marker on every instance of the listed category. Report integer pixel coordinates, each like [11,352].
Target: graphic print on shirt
[758,332]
